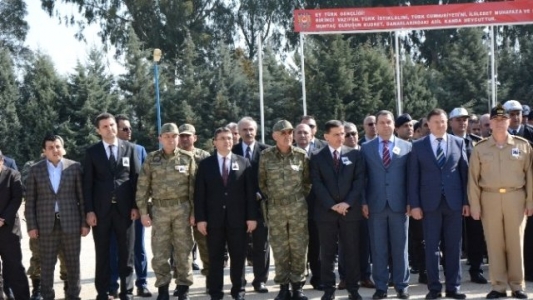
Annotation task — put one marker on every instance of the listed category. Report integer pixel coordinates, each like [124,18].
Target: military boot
[162,293]
[284,293]
[183,292]
[36,291]
[297,291]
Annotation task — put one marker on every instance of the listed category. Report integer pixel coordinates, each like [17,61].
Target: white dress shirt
[435,144]
[115,148]
[221,160]
[54,173]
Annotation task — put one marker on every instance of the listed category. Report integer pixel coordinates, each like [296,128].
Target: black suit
[261,247]
[109,192]
[225,208]
[10,235]
[331,188]
[526,131]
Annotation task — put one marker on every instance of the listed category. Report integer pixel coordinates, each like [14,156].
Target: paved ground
[417,291]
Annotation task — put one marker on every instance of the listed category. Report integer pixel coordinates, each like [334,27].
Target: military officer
[284,179]
[167,177]
[500,191]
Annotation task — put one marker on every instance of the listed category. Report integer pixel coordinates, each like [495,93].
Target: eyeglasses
[349,134]
[126,129]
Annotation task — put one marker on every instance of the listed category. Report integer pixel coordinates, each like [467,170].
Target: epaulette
[185,152]
[475,138]
[299,150]
[521,138]
[482,141]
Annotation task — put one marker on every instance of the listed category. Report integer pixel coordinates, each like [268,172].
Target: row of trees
[208,79]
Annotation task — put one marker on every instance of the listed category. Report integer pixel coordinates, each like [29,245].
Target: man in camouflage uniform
[167,177]
[187,139]
[284,179]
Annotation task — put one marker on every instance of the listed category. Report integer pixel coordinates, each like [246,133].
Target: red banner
[413,17]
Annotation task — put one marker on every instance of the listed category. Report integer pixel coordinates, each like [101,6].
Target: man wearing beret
[403,126]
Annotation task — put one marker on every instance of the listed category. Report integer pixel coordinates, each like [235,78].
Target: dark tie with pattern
[513,132]
[336,160]
[386,154]
[112,159]
[248,153]
[224,171]
[441,158]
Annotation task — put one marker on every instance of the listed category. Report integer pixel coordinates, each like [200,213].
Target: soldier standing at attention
[167,177]
[500,191]
[284,179]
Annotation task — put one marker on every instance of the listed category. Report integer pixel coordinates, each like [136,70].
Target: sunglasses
[371,124]
[312,126]
[126,129]
[349,134]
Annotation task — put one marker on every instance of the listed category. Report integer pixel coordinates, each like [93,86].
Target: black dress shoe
[379,294]
[519,294]
[402,295]
[329,294]
[478,278]
[423,278]
[260,288]
[342,285]
[354,295]
[455,295]
[433,295]
[496,295]
[144,292]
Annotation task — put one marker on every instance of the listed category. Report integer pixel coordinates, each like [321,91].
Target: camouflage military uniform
[169,181]
[284,179]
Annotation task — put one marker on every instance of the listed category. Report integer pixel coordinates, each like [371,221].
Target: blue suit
[441,194]
[10,163]
[386,197]
[140,257]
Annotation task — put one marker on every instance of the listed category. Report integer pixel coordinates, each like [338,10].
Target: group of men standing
[357,195]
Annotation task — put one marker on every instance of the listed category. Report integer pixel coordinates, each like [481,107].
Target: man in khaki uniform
[284,179]
[500,191]
[187,139]
[167,177]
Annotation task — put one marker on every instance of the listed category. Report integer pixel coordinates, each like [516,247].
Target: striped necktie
[441,158]
[386,154]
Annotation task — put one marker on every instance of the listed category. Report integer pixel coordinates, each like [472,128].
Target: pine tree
[9,122]
[417,98]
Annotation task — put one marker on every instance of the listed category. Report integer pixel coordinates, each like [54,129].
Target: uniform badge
[180,169]
[396,150]
[515,152]
[295,167]
[126,161]
[346,161]
[235,166]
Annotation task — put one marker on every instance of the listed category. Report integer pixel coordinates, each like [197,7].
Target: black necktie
[514,132]
[224,171]
[112,159]
[336,160]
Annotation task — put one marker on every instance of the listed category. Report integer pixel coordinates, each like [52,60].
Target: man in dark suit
[250,149]
[474,238]
[10,200]
[225,210]
[438,163]
[4,285]
[385,206]
[369,126]
[109,183]
[315,143]
[338,176]
[55,214]
[514,109]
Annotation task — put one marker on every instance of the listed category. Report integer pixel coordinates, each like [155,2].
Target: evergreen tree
[10,129]
[417,98]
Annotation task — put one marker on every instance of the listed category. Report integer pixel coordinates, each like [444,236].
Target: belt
[502,190]
[285,200]
[57,216]
[168,202]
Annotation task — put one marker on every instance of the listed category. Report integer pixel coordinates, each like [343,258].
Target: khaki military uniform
[169,181]
[200,239]
[500,187]
[285,180]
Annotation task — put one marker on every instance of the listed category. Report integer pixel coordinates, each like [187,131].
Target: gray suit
[386,197]
[61,234]
[332,187]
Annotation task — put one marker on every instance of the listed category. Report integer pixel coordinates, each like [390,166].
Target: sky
[58,41]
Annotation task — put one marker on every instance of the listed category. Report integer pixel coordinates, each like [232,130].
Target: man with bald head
[351,135]
[484,123]
[369,125]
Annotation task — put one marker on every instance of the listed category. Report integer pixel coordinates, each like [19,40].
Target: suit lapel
[449,148]
[375,152]
[44,170]
[120,151]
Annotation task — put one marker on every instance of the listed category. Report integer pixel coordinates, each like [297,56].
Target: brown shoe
[342,285]
[367,283]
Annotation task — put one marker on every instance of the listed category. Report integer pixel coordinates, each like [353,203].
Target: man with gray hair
[234,132]
[369,125]
[351,135]
[251,149]
[484,124]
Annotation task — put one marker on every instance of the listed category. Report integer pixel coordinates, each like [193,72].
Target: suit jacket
[331,187]
[41,198]
[254,160]
[230,205]
[427,182]
[526,131]
[141,154]
[10,163]
[10,198]
[101,182]
[386,185]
